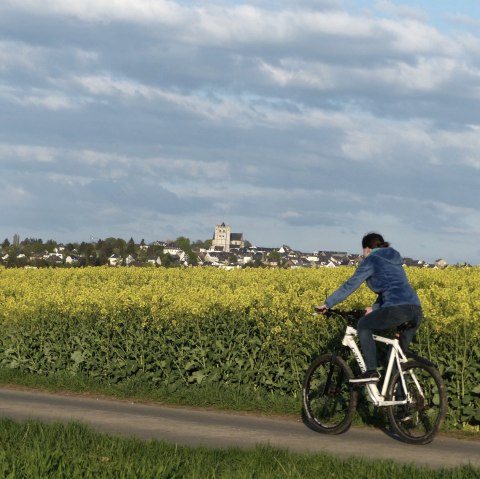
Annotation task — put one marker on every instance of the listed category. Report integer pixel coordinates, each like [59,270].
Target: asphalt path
[195,427]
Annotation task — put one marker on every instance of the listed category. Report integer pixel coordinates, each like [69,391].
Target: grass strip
[217,395]
[36,450]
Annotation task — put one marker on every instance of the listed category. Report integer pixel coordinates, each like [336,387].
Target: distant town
[226,250]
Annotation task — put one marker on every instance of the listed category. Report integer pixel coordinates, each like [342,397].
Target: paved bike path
[219,429]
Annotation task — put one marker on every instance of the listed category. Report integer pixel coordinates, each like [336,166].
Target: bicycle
[412,389]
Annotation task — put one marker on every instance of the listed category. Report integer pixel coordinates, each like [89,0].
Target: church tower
[222,236]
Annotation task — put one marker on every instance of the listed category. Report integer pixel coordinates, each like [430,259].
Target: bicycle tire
[329,401]
[418,421]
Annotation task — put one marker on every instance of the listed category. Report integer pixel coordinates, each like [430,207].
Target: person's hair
[374,240]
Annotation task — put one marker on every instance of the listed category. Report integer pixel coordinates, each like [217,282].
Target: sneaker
[371,376]
[404,416]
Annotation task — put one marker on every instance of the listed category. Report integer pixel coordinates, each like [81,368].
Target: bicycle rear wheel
[329,401]
[417,421]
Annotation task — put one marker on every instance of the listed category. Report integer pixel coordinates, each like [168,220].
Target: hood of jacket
[388,254]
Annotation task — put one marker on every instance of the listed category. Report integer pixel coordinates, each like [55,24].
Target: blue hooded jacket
[383,271]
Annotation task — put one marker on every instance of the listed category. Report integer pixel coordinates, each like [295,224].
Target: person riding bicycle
[397,302]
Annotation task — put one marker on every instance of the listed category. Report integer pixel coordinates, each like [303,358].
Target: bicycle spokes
[329,402]
[419,418]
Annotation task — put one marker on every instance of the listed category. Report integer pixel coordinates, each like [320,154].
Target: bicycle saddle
[406,325]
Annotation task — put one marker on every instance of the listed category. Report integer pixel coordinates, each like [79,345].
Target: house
[247,259]
[72,259]
[339,258]
[171,248]
[284,249]
[216,258]
[441,263]
[154,261]
[114,260]
[329,264]
[132,260]
[414,263]
[355,259]
[249,256]
[236,240]
[53,258]
[312,258]
[174,260]
[303,262]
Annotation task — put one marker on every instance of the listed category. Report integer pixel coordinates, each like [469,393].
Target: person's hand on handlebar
[321,309]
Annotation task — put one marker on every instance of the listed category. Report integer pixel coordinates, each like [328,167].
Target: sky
[301,122]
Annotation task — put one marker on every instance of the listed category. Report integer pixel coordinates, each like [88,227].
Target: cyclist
[397,302]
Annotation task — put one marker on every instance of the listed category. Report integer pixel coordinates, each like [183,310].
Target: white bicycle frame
[396,356]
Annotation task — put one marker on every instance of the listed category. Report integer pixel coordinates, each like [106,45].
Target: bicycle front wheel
[329,401]
[417,421]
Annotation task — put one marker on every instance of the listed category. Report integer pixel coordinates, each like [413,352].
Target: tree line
[36,252]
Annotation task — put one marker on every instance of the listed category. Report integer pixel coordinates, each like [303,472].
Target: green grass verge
[36,450]
[225,397]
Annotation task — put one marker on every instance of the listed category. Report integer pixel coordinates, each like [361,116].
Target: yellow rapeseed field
[200,324]
[448,296]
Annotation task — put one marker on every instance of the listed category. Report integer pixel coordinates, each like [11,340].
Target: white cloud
[291,214]
[106,85]
[449,217]
[101,159]
[111,165]
[416,37]
[248,24]
[16,55]
[465,20]
[244,111]
[41,154]
[13,194]
[424,74]
[395,9]
[105,10]
[366,146]
[132,90]
[374,141]
[69,180]
[47,100]
[209,170]
[301,74]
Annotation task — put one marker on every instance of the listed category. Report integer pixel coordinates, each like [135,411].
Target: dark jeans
[387,318]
